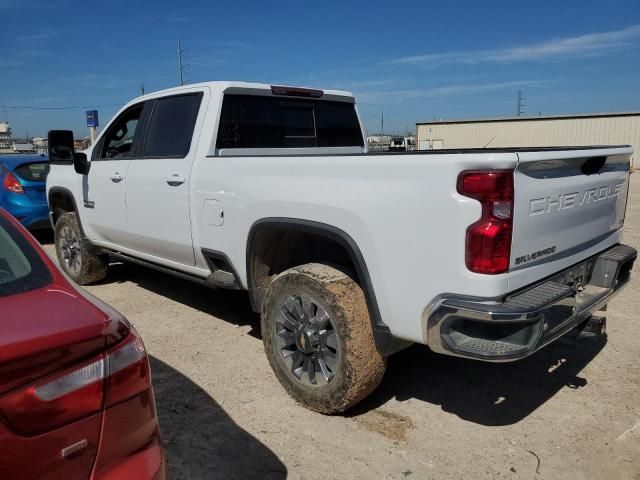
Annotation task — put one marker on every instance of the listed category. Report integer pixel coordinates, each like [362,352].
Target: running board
[220,276]
[160,268]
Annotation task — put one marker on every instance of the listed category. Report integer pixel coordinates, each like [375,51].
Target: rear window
[250,121]
[33,172]
[21,268]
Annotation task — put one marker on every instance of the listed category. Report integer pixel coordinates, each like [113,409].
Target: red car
[75,385]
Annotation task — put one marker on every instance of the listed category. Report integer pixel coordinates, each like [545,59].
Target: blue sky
[412,60]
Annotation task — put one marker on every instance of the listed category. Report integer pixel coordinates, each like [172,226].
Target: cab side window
[119,141]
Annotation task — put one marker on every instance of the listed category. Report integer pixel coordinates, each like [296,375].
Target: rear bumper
[146,464]
[130,444]
[530,318]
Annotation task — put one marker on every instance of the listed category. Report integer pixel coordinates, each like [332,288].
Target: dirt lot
[570,411]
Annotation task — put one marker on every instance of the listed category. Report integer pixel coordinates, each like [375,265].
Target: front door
[157,188]
[103,189]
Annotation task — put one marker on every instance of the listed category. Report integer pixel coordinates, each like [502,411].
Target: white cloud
[580,46]
[12,6]
[37,37]
[448,90]
[204,61]
[177,18]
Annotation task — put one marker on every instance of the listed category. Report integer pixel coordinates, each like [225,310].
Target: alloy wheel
[307,340]
[70,249]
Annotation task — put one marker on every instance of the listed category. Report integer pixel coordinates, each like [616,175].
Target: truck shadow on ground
[484,393]
[44,236]
[201,441]
[230,305]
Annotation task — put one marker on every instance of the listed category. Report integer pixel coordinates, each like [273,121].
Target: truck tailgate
[566,201]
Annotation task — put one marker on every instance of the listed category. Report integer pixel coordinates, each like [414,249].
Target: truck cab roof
[221,87]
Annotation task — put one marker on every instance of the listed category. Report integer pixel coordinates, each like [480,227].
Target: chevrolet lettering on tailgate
[563,201]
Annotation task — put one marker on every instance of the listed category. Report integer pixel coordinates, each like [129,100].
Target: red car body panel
[44,330]
[39,457]
[125,428]
[53,329]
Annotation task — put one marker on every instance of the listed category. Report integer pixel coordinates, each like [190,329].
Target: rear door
[103,189]
[567,201]
[157,187]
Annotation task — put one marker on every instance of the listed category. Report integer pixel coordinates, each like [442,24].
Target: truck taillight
[121,373]
[488,241]
[12,184]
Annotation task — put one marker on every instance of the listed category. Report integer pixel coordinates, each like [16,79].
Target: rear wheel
[83,266]
[318,338]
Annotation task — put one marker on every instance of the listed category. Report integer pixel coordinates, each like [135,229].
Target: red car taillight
[488,242]
[12,184]
[128,371]
[121,373]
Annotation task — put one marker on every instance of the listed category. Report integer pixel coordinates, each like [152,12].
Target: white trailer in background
[23,147]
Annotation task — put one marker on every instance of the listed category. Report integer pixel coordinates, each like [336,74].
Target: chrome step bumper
[532,317]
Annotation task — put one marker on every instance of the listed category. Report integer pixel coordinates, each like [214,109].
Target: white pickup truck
[349,256]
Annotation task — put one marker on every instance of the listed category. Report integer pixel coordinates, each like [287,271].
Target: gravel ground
[571,411]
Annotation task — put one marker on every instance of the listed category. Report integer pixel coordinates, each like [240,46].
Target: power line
[45,88]
[29,107]
[78,70]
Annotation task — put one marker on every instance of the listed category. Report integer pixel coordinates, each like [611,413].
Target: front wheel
[319,340]
[83,266]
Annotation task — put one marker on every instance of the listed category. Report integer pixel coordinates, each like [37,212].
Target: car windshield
[21,269]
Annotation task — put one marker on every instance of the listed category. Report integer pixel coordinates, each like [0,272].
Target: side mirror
[81,164]
[60,146]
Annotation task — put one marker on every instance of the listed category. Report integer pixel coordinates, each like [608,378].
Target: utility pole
[520,109]
[180,64]
[382,131]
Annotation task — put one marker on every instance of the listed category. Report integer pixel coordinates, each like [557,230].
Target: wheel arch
[60,201]
[385,342]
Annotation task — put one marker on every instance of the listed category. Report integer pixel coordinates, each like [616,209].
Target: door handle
[175,180]
[116,177]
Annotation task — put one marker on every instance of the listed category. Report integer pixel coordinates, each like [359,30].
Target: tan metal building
[562,130]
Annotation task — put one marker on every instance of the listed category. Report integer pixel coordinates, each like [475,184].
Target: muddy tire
[318,337]
[83,266]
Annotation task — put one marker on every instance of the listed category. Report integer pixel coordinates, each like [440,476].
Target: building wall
[544,132]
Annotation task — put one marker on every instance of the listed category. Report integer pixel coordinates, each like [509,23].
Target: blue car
[23,189]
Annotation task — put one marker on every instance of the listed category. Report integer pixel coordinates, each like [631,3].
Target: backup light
[71,382]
